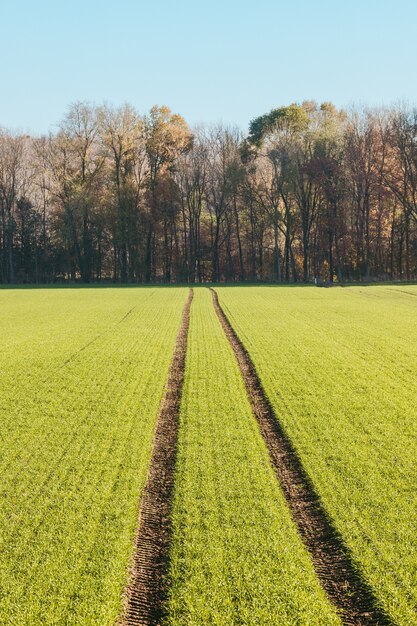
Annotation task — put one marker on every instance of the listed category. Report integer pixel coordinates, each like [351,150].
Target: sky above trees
[215,61]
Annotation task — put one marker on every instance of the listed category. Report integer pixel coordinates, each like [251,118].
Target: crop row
[339,368]
[84,375]
[236,556]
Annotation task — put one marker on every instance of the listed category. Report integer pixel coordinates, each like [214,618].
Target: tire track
[332,561]
[147,589]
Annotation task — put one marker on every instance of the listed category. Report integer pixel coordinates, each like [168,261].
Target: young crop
[236,556]
[83,372]
[82,376]
[339,368]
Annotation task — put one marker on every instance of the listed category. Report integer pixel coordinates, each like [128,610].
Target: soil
[147,591]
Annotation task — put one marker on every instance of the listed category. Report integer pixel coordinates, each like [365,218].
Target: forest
[310,193]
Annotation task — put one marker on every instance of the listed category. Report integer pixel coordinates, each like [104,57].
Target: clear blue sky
[210,61]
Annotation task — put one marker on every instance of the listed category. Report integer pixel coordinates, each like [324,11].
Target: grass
[82,375]
[339,366]
[237,558]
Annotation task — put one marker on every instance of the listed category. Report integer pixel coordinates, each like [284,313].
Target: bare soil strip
[350,594]
[147,591]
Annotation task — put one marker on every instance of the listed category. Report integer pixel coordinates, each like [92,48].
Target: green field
[237,558]
[340,367]
[80,389]
[82,376]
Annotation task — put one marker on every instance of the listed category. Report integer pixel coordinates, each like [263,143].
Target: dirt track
[332,562]
[147,590]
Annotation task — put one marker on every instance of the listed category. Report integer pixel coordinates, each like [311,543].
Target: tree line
[310,193]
